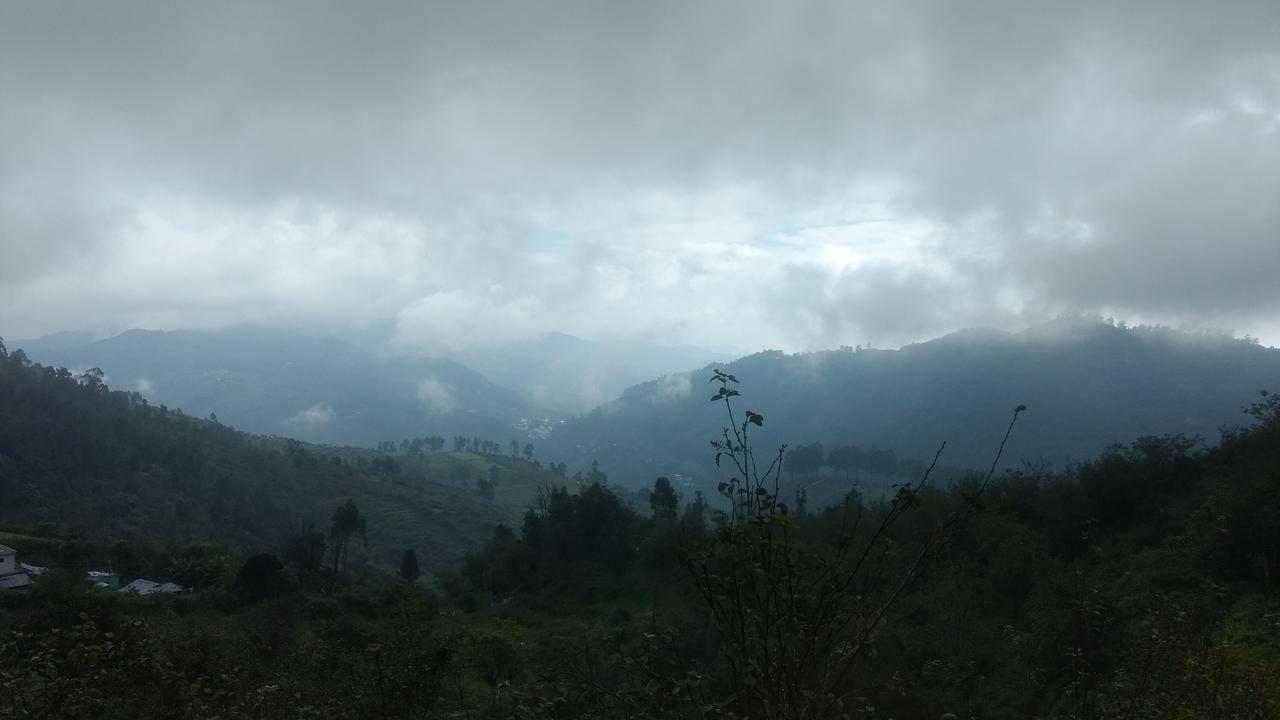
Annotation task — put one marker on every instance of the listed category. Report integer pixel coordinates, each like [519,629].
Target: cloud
[435,396]
[734,174]
[144,386]
[315,416]
[674,387]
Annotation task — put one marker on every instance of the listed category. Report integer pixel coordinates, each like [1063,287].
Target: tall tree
[347,522]
[409,566]
[663,501]
[306,548]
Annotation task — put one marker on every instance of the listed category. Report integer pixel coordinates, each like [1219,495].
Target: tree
[596,476]
[306,548]
[347,522]
[528,451]
[845,458]
[260,578]
[805,459]
[663,501]
[92,379]
[409,566]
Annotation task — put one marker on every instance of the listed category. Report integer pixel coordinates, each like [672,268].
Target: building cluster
[15,575]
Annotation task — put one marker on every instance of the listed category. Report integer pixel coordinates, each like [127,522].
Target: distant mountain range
[1087,385]
[279,382]
[568,374]
[327,389]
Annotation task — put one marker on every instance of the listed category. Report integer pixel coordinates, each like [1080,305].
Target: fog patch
[315,416]
[143,386]
[674,387]
[435,396]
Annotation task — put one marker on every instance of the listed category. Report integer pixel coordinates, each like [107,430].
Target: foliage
[1134,585]
[261,577]
[796,620]
[409,566]
[663,501]
[99,467]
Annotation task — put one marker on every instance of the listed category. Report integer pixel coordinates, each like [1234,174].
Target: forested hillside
[280,382]
[79,459]
[1141,584]
[1090,384]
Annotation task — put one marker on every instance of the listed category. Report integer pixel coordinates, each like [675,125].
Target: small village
[19,576]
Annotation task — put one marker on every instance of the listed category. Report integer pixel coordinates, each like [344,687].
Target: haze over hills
[1088,384]
[362,389]
[573,375]
[282,382]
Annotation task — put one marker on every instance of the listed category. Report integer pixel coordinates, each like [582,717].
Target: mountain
[275,381]
[1086,383]
[79,459]
[572,375]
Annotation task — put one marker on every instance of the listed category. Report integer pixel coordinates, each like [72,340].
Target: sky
[741,175]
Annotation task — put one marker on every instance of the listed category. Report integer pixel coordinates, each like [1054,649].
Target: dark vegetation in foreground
[1141,584]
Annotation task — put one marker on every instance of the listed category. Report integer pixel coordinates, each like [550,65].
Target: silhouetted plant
[794,618]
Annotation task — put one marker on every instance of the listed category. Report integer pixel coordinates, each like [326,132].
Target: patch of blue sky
[545,239]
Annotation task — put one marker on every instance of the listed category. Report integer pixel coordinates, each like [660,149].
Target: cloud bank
[746,175]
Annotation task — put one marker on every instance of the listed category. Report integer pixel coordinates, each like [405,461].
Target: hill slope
[569,374]
[78,458]
[1087,383]
[274,381]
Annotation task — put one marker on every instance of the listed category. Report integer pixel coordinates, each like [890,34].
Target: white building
[12,576]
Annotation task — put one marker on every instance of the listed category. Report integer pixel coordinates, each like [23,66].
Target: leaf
[718,459]
[722,487]
[755,418]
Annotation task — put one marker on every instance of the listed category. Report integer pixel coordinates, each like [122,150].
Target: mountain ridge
[1087,383]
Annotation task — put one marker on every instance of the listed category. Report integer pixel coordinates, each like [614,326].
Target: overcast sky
[733,174]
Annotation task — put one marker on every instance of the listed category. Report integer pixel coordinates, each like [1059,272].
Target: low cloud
[315,416]
[435,396]
[674,387]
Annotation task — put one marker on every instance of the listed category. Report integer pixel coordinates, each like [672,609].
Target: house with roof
[12,576]
[143,588]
